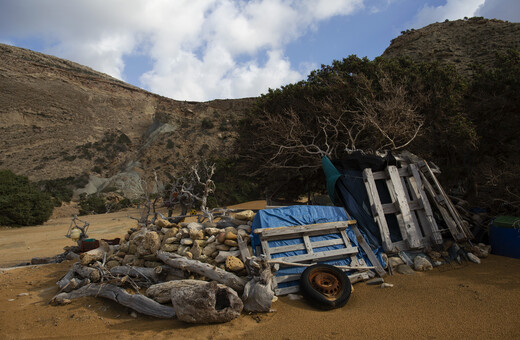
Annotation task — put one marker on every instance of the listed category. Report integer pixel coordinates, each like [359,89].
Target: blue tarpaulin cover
[304,215]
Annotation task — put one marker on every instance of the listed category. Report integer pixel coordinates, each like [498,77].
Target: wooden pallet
[458,228]
[410,205]
[310,257]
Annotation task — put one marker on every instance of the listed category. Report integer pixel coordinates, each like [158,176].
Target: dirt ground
[452,301]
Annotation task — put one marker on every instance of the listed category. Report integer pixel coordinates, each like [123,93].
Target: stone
[234,264]
[231,243]
[405,269]
[162,223]
[138,262]
[169,240]
[182,249]
[209,224]
[132,248]
[473,258]
[221,237]
[421,263]
[142,251]
[186,241]
[212,231]
[386,285]
[246,215]
[395,261]
[128,260]
[209,249]
[225,223]
[434,255]
[375,281]
[185,232]
[127,237]
[231,236]
[223,255]
[150,257]
[170,247]
[152,242]
[196,251]
[201,243]
[188,255]
[211,239]
[171,233]
[231,230]
[196,234]
[206,303]
[246,228]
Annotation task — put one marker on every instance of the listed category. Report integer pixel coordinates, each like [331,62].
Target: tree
[21,201]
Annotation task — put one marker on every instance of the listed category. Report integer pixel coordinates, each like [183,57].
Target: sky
[202,50]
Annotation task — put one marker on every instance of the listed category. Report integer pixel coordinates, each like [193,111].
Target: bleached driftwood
[75,283]
[93,274]
[160,292]
[285,263]
[97,254]
[207,270]
[258,292]
[64,281]
[137,302]
[150,274]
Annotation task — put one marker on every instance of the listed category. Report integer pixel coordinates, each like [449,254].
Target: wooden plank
[378,214]
[308,245]
[320,256]
[313,228]
[366,248]
[265,248]
[287,290]
[301,246]
[404,218]
[412,211]
[426,214]
[403,172]
[392,208]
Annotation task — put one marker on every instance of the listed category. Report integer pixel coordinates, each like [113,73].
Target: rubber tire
[315,297]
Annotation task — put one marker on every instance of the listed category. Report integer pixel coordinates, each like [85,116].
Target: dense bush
[21,201]
[89,204]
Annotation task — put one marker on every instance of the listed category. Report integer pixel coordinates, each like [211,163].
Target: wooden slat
[265,248]
[320,256]
[308,245]
[301,246]
[366,248]
[426,214]
[378,213]
[383,175]
[391,208]
[404,218]
[301,229]
[412,212]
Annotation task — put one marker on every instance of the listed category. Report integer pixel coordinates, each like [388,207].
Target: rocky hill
[460,43]
[61,119]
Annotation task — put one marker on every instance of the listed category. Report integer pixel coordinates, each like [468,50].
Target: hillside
[460,43]
[61,119]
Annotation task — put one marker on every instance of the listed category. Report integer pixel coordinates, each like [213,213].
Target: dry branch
[137,302]
[207,270]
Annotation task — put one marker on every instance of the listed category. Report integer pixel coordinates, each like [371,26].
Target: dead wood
[93,274]
[75,284]
[161,292]
[154,275]
[137,302]
[64,281]
[97,254]
[207,270]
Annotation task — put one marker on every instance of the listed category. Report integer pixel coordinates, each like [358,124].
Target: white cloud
[201,49]
[500,9]
[452,10]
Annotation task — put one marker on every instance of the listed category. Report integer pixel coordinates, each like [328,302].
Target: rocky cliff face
[460,43]
[61,119]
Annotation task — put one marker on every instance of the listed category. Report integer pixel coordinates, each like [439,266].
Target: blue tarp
[303,215]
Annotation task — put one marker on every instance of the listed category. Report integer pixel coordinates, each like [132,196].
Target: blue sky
[208,49]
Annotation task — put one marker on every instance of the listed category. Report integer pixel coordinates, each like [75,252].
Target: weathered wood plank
[377,211]
[366,248]
[308,245]
[301,246]
[312,228]
[426,215]
[404,218]
[320,256]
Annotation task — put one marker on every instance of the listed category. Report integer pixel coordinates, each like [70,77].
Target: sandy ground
[468,301]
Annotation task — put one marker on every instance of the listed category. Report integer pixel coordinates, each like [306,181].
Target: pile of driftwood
[203,270]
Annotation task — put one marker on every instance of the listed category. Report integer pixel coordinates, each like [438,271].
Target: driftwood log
[207,270]
[161,292]
[137,302]
[153,275]
[65,280]
[97,254]
[93,274]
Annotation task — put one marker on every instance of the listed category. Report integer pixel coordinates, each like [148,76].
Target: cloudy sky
[207,49]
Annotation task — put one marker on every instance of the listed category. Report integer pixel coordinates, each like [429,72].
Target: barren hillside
[60,119]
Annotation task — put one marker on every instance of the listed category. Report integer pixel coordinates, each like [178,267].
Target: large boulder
[206,303]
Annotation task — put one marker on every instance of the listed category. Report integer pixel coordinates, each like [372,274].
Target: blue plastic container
[505,241]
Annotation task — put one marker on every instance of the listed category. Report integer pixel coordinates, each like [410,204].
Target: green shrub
[21,202]
[91,203]
[169,144]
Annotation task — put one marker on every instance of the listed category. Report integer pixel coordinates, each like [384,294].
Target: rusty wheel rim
[326,283]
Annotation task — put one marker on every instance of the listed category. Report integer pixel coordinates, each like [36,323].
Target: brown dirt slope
[460,43]
[57,118]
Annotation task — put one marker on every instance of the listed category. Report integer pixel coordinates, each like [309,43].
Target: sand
[452,301]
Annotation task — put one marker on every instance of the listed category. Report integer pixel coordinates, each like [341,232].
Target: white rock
[473,258]
[386,285]
[420,263]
